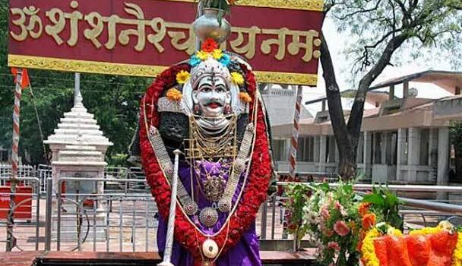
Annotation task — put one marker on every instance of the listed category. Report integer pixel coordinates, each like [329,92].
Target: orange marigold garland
[431,246]
[368,221]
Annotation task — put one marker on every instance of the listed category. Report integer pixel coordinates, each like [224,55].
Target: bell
[207,25]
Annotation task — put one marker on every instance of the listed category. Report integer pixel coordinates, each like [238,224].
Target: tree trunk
[347,134]
[347,160]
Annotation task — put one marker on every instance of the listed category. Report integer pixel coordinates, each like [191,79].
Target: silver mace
[172,214]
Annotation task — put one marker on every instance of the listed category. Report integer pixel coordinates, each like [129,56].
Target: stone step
[78,131]
[79,126]
[72,120]
[79,115]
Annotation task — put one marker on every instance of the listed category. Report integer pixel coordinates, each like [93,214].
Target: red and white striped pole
[15,161]
[295,132]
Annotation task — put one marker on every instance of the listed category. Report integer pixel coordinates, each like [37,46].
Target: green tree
[378,29]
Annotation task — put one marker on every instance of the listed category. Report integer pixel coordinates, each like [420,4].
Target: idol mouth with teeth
[214,105]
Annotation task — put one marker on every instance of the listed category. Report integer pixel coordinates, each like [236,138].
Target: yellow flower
[237,78]
[202,55]
[393,231]
[174,94]
[457,254]
[245,97]
[425,231]
[368,249]
[182,77]
[217,54]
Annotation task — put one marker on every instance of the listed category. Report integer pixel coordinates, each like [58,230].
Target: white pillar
[367,156]
[413,153]
[322,153]
[401,158]
[443,159]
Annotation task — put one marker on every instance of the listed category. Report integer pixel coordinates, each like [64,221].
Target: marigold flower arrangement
[431,246]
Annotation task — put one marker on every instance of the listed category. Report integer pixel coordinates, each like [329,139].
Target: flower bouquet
[334,224]
[337,220]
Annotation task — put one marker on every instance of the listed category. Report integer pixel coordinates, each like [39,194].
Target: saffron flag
[25,77]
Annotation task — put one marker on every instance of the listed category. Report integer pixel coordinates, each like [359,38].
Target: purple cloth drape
[244,253]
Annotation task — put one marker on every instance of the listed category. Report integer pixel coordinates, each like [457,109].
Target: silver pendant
[208,217]
[190,207]
[224,205]
[210,249]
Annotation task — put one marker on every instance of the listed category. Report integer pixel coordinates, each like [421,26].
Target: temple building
[405,135]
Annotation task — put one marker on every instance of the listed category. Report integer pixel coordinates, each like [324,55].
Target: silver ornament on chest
[214,187]
[208,217]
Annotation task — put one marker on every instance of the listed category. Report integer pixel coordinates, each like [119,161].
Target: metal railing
[118,213]
[120,216]
[24,220]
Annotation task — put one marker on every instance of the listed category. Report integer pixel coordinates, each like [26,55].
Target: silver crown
[209,67]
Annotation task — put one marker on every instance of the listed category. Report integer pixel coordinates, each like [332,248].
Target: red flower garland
[257,184]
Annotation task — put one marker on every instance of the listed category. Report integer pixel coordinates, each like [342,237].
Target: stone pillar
[405,90]
[322,153]
[433,151]
[413,153]
[401,158]
[316,148]
[443,160]
[367,156]
[391,93]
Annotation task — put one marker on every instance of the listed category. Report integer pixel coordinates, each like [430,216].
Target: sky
[337,44]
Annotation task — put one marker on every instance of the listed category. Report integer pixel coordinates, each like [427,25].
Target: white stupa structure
[78,145]
[78,151]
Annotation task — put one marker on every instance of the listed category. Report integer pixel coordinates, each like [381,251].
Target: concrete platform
[40,258]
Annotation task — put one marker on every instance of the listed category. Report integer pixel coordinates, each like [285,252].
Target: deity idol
[208,108]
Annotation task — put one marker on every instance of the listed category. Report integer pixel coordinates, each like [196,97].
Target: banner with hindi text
[279,38]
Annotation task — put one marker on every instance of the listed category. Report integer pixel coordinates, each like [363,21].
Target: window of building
[280,149]
[424,147]
[304,149]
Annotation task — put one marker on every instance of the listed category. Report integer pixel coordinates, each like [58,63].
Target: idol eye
[220,88]
[206,89]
